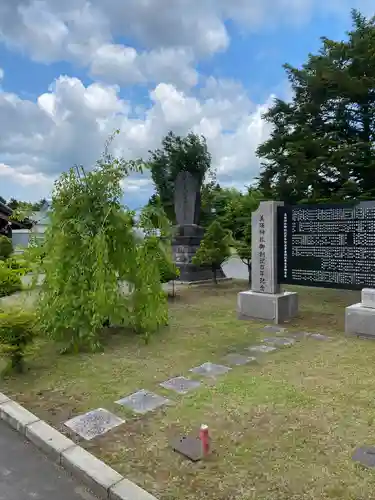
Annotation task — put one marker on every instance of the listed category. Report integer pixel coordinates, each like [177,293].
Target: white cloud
[173,35]
[156,43]
[71,122]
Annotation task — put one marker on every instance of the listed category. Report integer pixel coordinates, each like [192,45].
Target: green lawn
[283,429]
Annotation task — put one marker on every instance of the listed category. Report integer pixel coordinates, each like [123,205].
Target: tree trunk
[249,270]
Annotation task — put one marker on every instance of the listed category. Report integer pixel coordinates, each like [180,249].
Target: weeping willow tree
[90,248]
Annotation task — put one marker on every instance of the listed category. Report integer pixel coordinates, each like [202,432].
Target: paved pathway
[25,473]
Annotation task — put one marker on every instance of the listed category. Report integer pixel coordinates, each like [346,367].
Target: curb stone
[99,477]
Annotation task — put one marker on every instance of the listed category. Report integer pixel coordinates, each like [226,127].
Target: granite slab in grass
[210,369]
[94,423]
[143,401]
[181,385]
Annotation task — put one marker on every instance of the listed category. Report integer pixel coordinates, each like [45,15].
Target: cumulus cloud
[155,43]
[173,36]
[70,123]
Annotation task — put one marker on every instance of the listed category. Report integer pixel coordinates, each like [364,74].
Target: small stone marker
[94,423]
[279,341]
[238,359]
[190,446]
[319,336]
[181,385]
[210,369]
[274,329]
[261,348]
[143,401]
[365,455]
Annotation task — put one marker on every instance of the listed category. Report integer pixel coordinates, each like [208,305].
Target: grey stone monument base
[276,307]
[360,318]
[184,246]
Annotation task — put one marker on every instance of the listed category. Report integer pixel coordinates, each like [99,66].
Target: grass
[284,428]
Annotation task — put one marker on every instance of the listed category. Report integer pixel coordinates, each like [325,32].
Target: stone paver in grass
[238,359]
[365,455]
[94,423]
[279,341]
[319,336]
[210,369]
[261,348]
[181,385]
[143,401]
[274,329]
[299,335]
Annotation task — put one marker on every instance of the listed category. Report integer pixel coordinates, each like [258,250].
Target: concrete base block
[368,297]
[277,307]
[360,320]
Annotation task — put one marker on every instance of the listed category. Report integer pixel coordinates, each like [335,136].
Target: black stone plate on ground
[189,446]
[365,455]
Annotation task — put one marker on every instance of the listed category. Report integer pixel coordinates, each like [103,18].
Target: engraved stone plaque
[327,245]
[186,198]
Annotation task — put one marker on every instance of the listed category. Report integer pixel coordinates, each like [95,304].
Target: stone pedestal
[184,246]
[360,318]
[265,300]
[276,307]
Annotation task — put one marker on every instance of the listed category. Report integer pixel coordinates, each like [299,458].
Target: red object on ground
[205,439]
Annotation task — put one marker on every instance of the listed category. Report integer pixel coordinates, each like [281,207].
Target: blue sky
[74,73]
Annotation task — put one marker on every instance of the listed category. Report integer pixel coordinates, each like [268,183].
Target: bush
[17,332]
[159,250]
[18,264]
[10,280]
[6,247]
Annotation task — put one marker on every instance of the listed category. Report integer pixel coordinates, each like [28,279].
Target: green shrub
[159,250]
[19,264]
[17,332]
[6,247]
[168,270]
[10,280]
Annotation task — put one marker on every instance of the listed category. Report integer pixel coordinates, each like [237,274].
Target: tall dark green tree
[177,154]
[322,143]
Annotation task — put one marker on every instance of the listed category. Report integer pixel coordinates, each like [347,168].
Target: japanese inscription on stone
[264,261]
[262,254]
[328,245]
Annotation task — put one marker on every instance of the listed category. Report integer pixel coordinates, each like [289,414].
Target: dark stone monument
[189,234]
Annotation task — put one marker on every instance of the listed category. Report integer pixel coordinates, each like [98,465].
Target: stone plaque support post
[265,300]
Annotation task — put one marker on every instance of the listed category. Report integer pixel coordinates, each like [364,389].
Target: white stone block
[360,320]
[17,416]
[278,307]
[126,490]
[48,439]
[368,297]
[98,476]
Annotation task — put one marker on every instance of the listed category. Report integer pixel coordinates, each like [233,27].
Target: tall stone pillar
[266,300]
